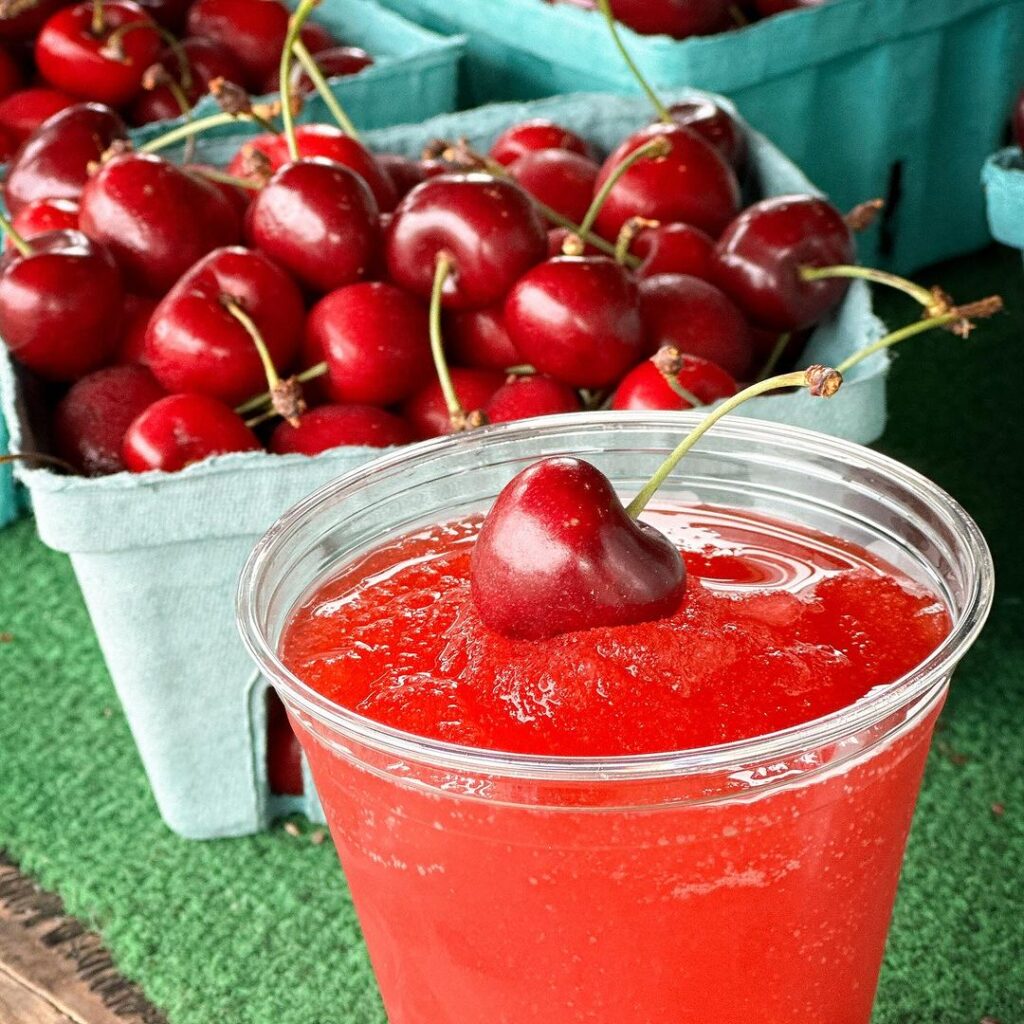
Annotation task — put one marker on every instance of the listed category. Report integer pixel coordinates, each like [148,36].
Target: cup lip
[870,710]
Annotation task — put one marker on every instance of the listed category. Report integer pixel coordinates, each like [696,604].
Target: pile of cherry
[176,299]
[684,18]
[149,59]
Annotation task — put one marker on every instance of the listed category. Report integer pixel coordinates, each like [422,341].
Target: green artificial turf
[260,930]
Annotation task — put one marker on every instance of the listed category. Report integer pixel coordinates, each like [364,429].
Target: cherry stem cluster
[295,23]
[308,61]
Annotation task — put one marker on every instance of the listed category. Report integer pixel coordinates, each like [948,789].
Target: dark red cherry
[405,174]
[487,226]
[8,147]
[761,253]
[577,319]
[253,30]
[59,306]
[74,58]
[317,37]
[334,62]
[477,337]
[44,215]
[558,178]
[766,8]
[168,13]
[319,221]
[340,426]
[676,18]
[521,397]
[180,430]
[557,553]
[284,753]
[157,218]
[533,136]
[692,183]
[91,420]
[698,319]
[24,111]
[10,74]
[22,22]
[714,124]
[195,344]
[55,162]
[427,411]
[136,313]
[674,249]
[647,387]
[374,338]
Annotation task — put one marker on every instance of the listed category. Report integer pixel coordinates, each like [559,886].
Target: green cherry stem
[212,174]
[662,111]
[257,401]
[116,38]
[627,235]
[186,131]
[460,420]
[17,240]
[917,292]
[331,101]
[295,23]
[656,148]
[820,381]
[668,361]
[774,356]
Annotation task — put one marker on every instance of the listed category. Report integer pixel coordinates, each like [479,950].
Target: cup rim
[871,709]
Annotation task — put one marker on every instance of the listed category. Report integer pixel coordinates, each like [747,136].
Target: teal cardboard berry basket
[1003,180]
[158,555]
[900,99]
[9,503]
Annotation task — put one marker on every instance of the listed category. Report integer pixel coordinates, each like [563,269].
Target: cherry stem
[331,101]
[917,292]
[99,22]
[186,131]
[114,40]
[738,16]
[627,235]
[273,379]
[48,460]
[656,148]
[442,272]
[295,23]
[863,215]
[662,111]
[776,354]
[213,174]
[821,381]
[254,403]
[17,240]
[668,361]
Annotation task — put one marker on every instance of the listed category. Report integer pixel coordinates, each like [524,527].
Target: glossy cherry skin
[558,178]
[645,386]
[536,394]
[91,420]
[759,256]
[557,553]
[180,430]
[487,226]
[692,184]
[54,163]
[427,412]
[157,218]
[374,338]
[698,319]
[577,319]
[136,313]
[340,426]
[42,216]
[24,24]
[24,111]
[194,344]
[319,221]
[334,62]
[674,249]
[59,307]
[533,136]
[253,30]
[169,13]
[477,337]
[10,74]
[713,124]
[676,18]
[71,58]
[404,174]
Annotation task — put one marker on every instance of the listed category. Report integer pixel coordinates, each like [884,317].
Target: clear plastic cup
[747,883]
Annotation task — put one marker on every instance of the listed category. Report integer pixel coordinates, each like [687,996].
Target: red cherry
[766,8]
[477,337]
[169,13]
[427,411]
[238,197]
[22,22]
[284,753]
[44,215]
[156,218]
[488,227]
[404,174]
[8,147]
[179,430]
[136,313]
[576,318]
[319,221]
[557,552]
[317,38]
[533,136]
[340,426]
[760,254]
[535,395]
[72,57]
[195,344]
[54,163]
[676,18]
[674,249]
[645,386]
[375,340]
[59,306]
[698,319]
[334,62]
[556,243]
[24,111]
[10,73]
[91,420]
[713,124]
[558,178]
[692,184]
[253,30]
